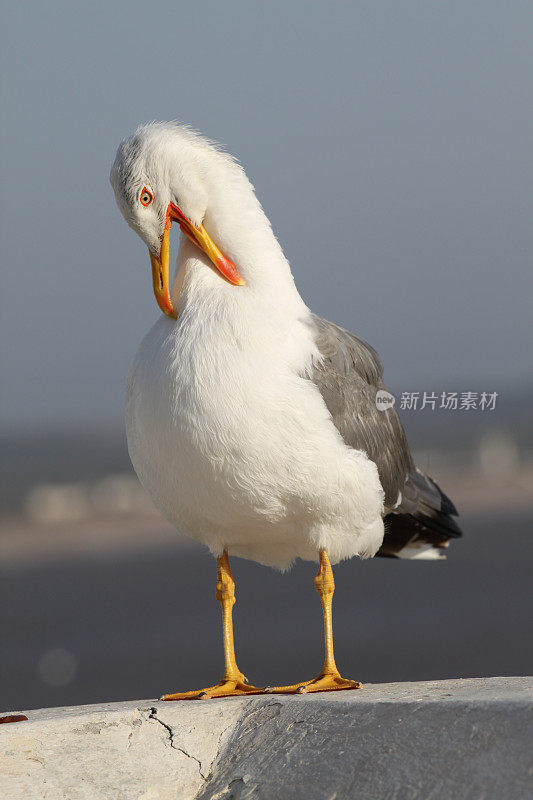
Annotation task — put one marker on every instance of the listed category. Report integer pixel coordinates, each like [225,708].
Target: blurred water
[139,625]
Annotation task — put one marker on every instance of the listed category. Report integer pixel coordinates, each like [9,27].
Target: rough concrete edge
[203,733]
[196,732]
[510,689]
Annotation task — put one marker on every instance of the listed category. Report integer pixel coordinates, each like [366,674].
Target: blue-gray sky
[390,144]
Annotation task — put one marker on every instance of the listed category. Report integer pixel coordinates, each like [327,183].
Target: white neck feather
[238,225]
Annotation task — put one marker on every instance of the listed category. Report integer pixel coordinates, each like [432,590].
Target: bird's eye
[146,197]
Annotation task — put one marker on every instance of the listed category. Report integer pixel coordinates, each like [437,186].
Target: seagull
[253,423]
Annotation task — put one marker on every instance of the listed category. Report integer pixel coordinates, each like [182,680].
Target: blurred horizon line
[72,423]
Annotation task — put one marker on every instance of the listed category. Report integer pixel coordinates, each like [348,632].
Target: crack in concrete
[153,715]
[185,753]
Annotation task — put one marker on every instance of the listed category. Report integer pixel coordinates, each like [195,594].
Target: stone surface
[468,739]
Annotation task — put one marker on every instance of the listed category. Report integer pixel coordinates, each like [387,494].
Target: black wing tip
[446,505]
[404,531]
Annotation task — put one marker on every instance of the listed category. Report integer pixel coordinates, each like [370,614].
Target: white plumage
[226,430]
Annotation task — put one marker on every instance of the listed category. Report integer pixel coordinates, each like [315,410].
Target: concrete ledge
[442,739]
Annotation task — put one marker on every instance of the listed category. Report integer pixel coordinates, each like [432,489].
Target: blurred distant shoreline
[68,492]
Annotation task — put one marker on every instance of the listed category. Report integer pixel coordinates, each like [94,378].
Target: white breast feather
[236,446]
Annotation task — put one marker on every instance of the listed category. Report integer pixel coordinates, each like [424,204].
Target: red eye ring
[146,197]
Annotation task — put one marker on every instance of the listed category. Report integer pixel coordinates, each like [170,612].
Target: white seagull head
[163,173]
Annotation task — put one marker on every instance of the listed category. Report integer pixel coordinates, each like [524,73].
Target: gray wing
[348,378]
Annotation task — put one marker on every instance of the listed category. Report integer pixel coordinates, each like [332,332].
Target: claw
[328,682]
[228,687]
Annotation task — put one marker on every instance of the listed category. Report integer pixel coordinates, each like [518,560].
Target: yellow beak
[160,273]
[199,236]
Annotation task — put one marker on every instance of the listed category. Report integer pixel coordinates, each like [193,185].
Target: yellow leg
[233,682]
[330,678]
